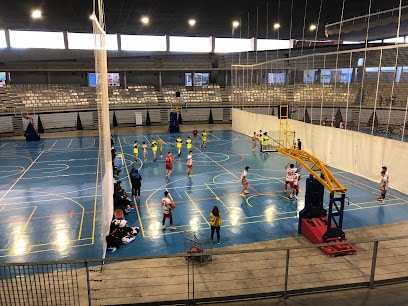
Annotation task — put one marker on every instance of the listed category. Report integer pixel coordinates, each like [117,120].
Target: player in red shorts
[169,164]
[167,211]
[244,181]
[195,134]
[294,186]
[189,163]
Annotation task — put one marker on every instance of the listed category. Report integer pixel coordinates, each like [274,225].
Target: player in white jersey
[189,163]
[290,170]
[383,187]
[294,191]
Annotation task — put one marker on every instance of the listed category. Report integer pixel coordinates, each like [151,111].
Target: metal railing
[185,279]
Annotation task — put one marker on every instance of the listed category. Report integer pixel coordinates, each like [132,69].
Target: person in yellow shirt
[260,137]
[204,139]
[189,143]
[179,144]
[265,141]
[215,222]
[136,150]
[153,144]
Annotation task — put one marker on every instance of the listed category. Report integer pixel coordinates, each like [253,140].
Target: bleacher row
[39,97]
[327,94]
[18,98]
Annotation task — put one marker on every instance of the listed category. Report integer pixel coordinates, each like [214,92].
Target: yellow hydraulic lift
[314,222]
[311,163]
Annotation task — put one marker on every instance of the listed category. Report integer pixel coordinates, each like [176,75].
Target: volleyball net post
[105,166]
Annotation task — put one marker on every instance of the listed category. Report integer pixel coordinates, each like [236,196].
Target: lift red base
[315,229]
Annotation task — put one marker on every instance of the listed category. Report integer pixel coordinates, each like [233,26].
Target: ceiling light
[312,27]
[235,24]
[192,22]
[276,26]
[145,20]
[36,14]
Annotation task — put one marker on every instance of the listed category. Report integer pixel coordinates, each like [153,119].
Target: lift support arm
[314,165]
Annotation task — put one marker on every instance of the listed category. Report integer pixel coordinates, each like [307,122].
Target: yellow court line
[246,201]
[22,231]
[216,197]
[3,207]
[72,201]
[134,198]
[140,218]
[19,178]
[96,197]
[198,209]
[81,223]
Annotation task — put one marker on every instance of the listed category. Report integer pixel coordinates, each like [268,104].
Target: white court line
[212,135]
[19,178]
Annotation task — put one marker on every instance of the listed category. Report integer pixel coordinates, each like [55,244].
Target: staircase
[226,112]
[224,95]
[18,125]
[290,94]
[159,95]
[11,101]
[164,115]
[90,95]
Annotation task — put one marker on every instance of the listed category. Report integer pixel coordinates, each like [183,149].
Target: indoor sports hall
[49,221]
[269,140]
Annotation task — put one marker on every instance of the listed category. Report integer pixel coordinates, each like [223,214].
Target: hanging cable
[277,49]
[361,90]
[304,27]
[267,30]
[313,57]
[396,63]
[291,24]
[337,56]
[318,24]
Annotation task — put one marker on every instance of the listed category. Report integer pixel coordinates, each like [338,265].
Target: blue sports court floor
[50,199]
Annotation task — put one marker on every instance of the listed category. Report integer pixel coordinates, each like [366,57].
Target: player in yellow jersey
[179,144]
[153,144]
[265,141]
[260,137]
[189,143]
[136,150]
[204,139]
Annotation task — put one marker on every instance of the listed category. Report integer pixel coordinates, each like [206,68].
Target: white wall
[346,150]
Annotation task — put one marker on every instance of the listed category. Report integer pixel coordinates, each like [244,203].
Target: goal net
[105,170]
